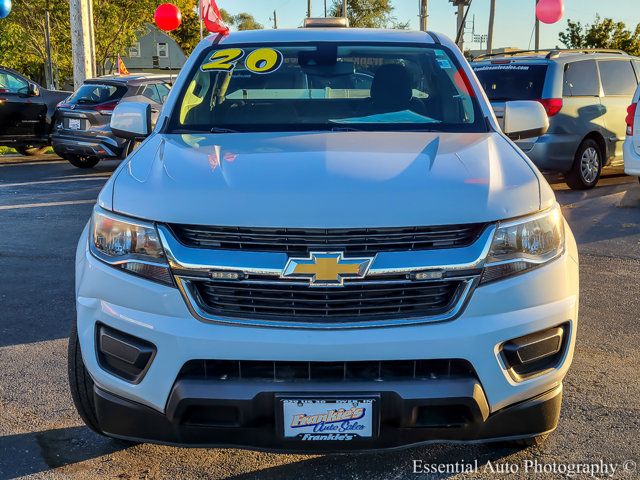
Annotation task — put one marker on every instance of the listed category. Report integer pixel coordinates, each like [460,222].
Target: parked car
[26,111]
[82,135]
[277,268]
[632,140]
[585,94]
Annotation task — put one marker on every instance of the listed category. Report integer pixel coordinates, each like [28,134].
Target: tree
[603,33]
[188,35]
[245,21]
[368,14]
[22,44]
[117,23]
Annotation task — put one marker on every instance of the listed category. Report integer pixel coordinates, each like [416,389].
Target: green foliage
[603,33]
[245,21]
[117,24]
[368,14]
[22,45]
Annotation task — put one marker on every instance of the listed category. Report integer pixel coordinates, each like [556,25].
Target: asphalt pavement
[45,203]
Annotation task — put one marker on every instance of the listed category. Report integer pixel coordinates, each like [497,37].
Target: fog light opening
[535,354]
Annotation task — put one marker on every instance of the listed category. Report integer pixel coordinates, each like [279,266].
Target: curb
[18,159]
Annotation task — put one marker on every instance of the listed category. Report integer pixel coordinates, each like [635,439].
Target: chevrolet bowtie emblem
[324,269]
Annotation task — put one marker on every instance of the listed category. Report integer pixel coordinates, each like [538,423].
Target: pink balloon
[549,11]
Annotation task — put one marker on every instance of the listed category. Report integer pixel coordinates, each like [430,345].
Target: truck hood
[325,180]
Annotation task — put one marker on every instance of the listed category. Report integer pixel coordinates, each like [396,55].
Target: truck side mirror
[131,120]
[524,119]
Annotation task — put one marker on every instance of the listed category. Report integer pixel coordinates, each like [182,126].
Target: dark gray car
[82,134]
[585,93]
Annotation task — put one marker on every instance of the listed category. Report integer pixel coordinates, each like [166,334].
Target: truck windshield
[326,86]
[504,82]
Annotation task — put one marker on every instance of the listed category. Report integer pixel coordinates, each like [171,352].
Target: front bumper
[497,312]
[258,406]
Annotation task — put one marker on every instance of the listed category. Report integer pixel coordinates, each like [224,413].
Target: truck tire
[82,162]
[587,166]
[31,151]
[80,383]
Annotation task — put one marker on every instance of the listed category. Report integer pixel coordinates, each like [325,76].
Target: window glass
[134,50]
[512,81]
[327,86]
[163,91]
[96,93]
[151,92]
[163,50]
[10,83]
[618,77]
[581,79]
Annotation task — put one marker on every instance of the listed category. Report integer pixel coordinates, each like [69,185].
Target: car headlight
[130,245]
[526,243]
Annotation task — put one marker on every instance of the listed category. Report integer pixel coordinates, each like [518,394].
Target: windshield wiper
[223,130]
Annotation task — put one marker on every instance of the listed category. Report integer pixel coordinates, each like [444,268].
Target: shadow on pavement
[399,464]
[34,452]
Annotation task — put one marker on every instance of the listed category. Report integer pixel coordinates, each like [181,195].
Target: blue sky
[514,18]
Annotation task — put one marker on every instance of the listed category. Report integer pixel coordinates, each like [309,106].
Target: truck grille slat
[300,302]
[297,241]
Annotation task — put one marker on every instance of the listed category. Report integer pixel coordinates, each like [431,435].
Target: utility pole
[344,8]
[460,26]
[308,8]
[47,43]
[82,41]
[325,8]
[462,18]
[275,20]
[537,42]
[492,17]
[424,16]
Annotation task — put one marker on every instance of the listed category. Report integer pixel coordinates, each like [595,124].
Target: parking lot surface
[45,204]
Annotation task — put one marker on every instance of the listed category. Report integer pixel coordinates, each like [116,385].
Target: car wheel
[82,162]
[80,383]
[587,166]
[31,151]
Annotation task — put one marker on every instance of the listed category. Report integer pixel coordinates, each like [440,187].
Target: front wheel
[82,162]
[31,151]
[80,383]
[587,166]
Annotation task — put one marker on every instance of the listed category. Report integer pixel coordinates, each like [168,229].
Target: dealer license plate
[74,124]
[312,420]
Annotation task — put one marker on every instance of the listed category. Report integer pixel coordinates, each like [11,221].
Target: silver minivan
[585,93]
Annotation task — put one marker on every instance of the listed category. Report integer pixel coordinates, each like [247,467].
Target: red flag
[122,69]
[210,14]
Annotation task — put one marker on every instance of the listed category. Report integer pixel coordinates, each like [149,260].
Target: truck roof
[327,35]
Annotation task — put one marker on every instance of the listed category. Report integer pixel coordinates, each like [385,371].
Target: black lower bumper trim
[255,425]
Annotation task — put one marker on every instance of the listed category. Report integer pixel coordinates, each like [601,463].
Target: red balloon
[167,17]
[549,11]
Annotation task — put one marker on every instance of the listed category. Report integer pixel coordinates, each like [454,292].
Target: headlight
[130,245]
[526,243]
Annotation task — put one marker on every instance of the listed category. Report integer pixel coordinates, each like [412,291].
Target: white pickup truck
[337,249]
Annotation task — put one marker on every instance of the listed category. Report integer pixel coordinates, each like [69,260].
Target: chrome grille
[356,301]
[285,371]
[295,241]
